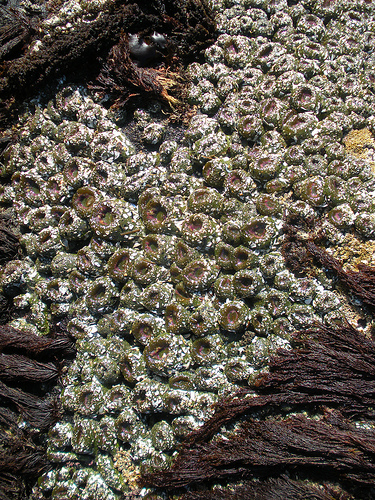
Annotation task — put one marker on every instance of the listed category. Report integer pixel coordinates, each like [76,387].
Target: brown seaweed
[34,361]
[9,244]
[123,78]
[40,413]
[13,340]
[18,368]
[300,250]
[269,447]
[361,282]
[327,369]
[16,31]
[273,489]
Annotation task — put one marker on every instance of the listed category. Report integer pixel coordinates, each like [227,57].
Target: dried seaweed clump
[25,358]
[17,29]
[329,375]
[78,51]
[122,78]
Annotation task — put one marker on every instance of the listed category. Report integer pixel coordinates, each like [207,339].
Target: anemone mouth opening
[197,321]
[259,318]
[200,195]
[126,369]
[249,123]
[266,51]
[232,49]
[305,95]
[72,171]
[337,216]
[181,292]
[235,179]
[298,122]
[195,224]
[32,188]
[122,262]
[224,254]
[245,281]
[86,398]
[171,317]
[53,286]
[173,402]
[270,107]
[233,231]
[270,262]
[143,331]
[57,212]
[151,245]
[313,191]
[174,272]
[53,187]
[105,216]
[40,215]
[225,282]
[182,251]
[265,163]
[102,173]
[159,350]
[155,213]
[85,200]
[232,316]
[153,295]
[196,272]
[84,260]
[68,219]
[180,382]
[98,292]
[257,229]
[202,347]
[143,268]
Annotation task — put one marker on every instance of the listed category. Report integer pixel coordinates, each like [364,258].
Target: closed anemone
[144,271]
[231,232]
[247,282]
[30,188]
[203,351]
[106,220]
[154,215]
[243,258]
[224,288]
[119,265]
[182,253]
[199,230]
[181,295]
[176,318]
[83,201]
[146,327]
[102,296]
[205,200]
[223,254]
[199,275]
[259,232]
[233,316]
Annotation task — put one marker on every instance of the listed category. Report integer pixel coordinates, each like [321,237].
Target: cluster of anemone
[168,263]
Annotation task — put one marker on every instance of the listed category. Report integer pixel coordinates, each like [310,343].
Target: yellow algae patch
[131,474]
[361,143]
[354,251]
